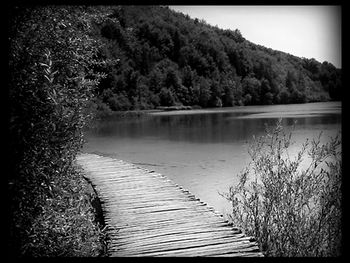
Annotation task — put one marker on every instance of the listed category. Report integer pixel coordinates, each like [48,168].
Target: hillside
[165,58]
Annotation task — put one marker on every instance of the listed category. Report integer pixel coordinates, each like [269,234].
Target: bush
[291,211]
[67,224]
[51,58]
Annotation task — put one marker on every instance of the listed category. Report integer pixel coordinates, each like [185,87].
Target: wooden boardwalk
[149,215]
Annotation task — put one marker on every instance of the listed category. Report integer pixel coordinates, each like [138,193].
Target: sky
[303,31]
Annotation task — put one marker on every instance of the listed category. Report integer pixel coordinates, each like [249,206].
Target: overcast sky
[303,31]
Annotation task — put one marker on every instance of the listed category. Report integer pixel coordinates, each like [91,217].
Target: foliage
[174,53]
[54,66]
[67,224]
[292,210]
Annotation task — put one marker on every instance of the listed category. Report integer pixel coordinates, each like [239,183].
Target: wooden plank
[138,222]
[160,248]
[182,239]
[175,223]
[182,245]
[150,215]
[123,181]
[169,203]
[164,215]
[175,230]
[196,250]
[142,230]
[134,195]
[155,198]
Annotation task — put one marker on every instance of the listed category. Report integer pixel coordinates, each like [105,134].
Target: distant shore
[136,113]
[164,109]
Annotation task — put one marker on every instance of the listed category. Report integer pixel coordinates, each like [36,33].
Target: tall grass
[292,209]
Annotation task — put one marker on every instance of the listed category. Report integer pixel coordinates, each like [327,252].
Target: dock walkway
[149,215]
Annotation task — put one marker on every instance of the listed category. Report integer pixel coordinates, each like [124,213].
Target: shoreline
[189,109]
[99,219]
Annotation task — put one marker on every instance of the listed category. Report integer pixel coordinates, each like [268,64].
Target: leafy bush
[291,210]
[67,224]
[51,62]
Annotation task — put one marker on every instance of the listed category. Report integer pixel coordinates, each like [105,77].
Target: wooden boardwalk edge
[147,214]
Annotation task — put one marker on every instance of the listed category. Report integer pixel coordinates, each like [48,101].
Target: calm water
[204,150]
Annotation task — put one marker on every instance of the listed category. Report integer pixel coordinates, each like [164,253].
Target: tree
[266,95]
[268,98]
[247,99]
[119,102]
[204,92]
[166,97]
[183,95]
[151,38]
[228,98]
[187,76]
[284,97]
[330,78]
[291,80]
[313,67]
[171,78]
[155,80]
[112,30]
[251,86]
[178,42]
[216,93]
[237,90]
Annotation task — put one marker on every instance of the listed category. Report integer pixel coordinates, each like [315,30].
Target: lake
[204,150]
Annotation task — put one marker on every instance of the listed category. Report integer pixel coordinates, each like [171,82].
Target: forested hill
[165,58]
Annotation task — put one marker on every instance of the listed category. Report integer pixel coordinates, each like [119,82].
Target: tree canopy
[167,59]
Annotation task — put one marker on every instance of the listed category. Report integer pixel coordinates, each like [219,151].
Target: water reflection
[204,150]
[202,128]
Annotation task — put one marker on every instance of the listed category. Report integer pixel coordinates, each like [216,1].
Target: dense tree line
[166,58]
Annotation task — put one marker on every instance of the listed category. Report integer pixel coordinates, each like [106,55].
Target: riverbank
[164,110]
[106,114]
[99,220]
[95,221]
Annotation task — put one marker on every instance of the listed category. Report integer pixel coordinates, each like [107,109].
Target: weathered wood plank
[150,215]
[141,221]
[165,227]
[196,250]
[182,239]
[178,237]
[185,244]
[172,231]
